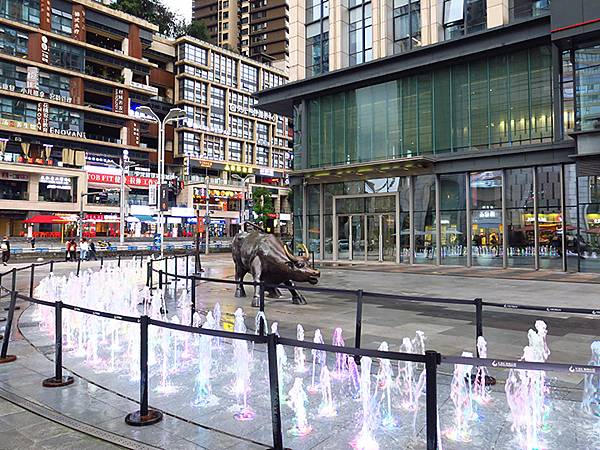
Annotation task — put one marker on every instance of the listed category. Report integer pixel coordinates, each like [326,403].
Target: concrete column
[297,42]
[339,42]
[432,19]
[497,13]
[383,28]
[34,187]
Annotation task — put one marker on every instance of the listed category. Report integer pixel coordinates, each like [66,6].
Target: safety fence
[146,415]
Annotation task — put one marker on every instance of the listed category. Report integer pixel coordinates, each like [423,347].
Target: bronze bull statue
[269,260]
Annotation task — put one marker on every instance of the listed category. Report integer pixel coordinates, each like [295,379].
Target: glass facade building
[499,101]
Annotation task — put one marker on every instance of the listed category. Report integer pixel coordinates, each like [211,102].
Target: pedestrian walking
[84,249]
[68,251]
[32,241]
[73,250]
[5,247]
[92,254]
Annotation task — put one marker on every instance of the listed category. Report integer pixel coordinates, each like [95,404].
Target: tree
[153,11]
[263,204]
[197,29]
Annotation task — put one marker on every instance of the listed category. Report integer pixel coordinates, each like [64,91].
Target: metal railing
[146,415]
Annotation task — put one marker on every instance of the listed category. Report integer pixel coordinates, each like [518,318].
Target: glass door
[358,237]
[374,238]
[343,243]
[388,237]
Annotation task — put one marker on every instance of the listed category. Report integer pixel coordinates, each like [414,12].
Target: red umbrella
[46,219]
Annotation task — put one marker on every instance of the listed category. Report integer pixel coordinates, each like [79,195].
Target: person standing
[92,251]
[5,246]
[85,247]
[32,242]
[73,250]
[68,251]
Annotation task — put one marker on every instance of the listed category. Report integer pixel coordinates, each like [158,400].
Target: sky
[181,7]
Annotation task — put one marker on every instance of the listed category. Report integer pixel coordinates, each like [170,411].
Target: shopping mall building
[470,136]
[73,74]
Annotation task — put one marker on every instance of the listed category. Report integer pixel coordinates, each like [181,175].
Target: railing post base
[135,418]
[8,359]
[58,382]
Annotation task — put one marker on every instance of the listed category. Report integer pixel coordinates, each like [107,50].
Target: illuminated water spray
[461,395]
[297,402]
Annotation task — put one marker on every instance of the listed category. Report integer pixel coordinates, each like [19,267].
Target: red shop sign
[116,179]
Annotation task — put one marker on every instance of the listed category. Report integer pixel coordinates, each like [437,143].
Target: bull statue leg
[256,270]
[273,293]
[240,292]
[297,297]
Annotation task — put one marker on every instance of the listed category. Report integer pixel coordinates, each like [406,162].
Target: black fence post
[101,262]
[119,260]
[4,358]
[31,280]
[431,362]
[175,264]
[478,322]
[187,269]
[144,416]
[151,274]
[166,281]
[52,266]
[261,307]
[78,265]
[160,279]
[58,379]
[274,387]
[193,299]
[358,329]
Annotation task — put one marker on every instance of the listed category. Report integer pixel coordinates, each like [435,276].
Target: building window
[317,37]
[189,144]
[587,88]
[235,151]
[217,108]
[361,32]
[67,56]
[18,110]
[53,83]
[26,11]
[13,42]
[249,78]
[224,70]
[12,75]
[463,17]
[271,80]
[407,25]
[249,153]
[197,117]
[65,120]
[262,133]
[192,90]
[53,188]
[62,22]
[520,9]
[262,155]
[193,53]
[214,148]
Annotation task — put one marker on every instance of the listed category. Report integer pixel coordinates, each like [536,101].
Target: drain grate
[71,423]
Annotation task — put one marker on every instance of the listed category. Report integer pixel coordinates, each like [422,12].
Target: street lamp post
[82,196]
[235,176]
[173,115]
[124,165]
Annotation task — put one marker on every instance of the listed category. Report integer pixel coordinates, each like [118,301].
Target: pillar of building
[76,89]
[297,40]
[78,22]
[36,48]
[135,43]
[46,15]
[497,13]
[339,41]
[383,27]
[432,20]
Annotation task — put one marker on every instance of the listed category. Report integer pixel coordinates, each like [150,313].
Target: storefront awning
[143,218]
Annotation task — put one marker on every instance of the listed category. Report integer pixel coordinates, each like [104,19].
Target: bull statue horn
[288,253]
[304,250]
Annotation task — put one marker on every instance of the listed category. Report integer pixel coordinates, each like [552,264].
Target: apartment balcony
[144,87]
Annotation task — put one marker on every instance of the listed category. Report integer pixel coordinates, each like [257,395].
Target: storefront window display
[550,217]
[486,218]
[314,225]
[589,222]
[54,188]
[453,219]
[13,190]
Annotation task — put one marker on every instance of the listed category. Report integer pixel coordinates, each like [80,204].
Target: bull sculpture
[265,257]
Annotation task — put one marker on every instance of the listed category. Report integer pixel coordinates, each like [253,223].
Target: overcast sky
[181,7]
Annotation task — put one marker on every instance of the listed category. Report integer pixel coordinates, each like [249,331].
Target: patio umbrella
[47,219]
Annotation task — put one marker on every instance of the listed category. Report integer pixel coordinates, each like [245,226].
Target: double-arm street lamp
[173,115]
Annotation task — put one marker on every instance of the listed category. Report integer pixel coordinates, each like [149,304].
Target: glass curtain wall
[453,219]
[486,218]
[329,190]
[407,25]
[520,221]
[500,101]
[589,223]
[424,219]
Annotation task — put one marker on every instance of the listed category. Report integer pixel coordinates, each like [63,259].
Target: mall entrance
[365,228]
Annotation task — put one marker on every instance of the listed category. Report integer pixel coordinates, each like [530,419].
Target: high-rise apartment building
[258,29]
[229,147]
[447,132]
[327,35]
